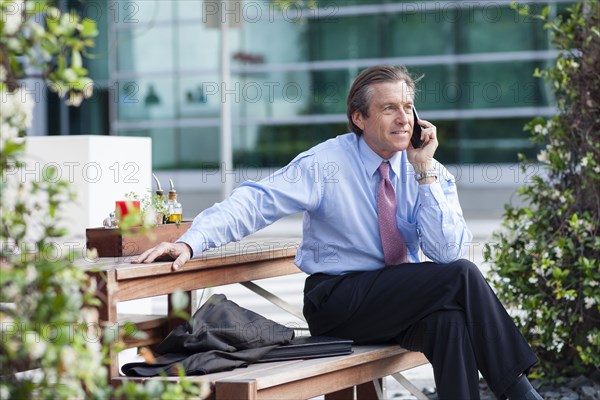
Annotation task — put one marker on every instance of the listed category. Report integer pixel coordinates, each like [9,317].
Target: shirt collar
[372,160]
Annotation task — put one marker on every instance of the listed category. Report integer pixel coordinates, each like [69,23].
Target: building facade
[156,73]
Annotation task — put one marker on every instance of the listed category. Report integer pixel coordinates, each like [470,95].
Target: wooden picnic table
[117,280]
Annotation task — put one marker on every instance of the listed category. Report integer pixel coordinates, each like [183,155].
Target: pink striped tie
[394,246]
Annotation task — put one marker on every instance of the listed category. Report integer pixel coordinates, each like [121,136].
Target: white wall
[100,168]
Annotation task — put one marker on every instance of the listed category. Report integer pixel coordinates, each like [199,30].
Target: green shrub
[546,262]
[50,344]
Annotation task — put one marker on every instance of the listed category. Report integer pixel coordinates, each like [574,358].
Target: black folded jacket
[221,336]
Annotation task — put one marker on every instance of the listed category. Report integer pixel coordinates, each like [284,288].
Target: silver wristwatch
[426,174]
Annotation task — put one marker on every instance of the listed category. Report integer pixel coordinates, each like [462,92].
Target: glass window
[418,34]
[145,49]
[164,149]
[496,28]
[199,96]
[344,38]
[494,85]
[190,9]
[198,47]
[329,91]
[437,88]
[54,122]
[447,151]
[97,64]
[270,95]
[145,99]
[182,148]
[199,147]
[271,40]
[495,140]
[277,145]
[290,93]
[173,59]
[140,12]
[91,118]
[489,141]
[355,2]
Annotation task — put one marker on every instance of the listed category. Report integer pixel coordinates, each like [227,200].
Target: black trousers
[447,311]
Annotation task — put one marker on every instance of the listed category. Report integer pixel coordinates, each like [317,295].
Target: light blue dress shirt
[335,185]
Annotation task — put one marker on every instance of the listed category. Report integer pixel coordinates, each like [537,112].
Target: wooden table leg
[107,314]
[236,390]
[344,394]
[367,390]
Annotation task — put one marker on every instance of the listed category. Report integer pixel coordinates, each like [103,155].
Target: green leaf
[559,274]
[81,72]
[179,300]
[68,23]
[62,63]
[88,28]
[76,61]
[153,387]
[69,75]
[82,83]
[52,19]
[131,332]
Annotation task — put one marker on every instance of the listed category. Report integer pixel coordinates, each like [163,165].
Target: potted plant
[153,206]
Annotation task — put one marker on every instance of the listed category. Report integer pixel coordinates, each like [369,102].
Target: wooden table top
[245,251]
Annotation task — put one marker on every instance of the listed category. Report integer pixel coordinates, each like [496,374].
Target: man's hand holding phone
[424,143]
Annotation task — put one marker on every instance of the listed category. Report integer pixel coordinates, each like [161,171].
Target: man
[371,203]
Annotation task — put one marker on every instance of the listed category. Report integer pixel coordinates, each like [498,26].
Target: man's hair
[359,96]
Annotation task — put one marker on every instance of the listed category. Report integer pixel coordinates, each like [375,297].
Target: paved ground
[290,289]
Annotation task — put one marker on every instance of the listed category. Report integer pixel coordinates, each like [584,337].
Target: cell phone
[415,139]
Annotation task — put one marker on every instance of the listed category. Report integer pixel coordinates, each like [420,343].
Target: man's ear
[357,118]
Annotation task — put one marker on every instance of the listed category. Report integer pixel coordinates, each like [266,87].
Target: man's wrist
[189,248]
[422,167]
[428,176]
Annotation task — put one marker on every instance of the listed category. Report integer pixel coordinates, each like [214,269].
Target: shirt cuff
[195,240]
[431,194]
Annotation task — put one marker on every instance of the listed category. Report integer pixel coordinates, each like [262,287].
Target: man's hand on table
[180,252]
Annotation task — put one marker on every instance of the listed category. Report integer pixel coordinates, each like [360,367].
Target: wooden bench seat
[302,379]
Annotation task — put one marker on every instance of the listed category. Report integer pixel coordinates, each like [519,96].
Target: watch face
[426,174]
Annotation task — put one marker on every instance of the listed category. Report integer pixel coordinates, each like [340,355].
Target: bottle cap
[172,192]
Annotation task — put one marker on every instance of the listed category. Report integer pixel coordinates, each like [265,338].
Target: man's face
[389,125]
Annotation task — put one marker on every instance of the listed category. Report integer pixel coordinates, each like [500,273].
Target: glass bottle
[174,208]
[160,207]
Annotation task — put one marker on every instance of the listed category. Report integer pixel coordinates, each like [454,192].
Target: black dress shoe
[521,389]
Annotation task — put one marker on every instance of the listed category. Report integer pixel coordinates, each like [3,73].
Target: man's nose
[402,118]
